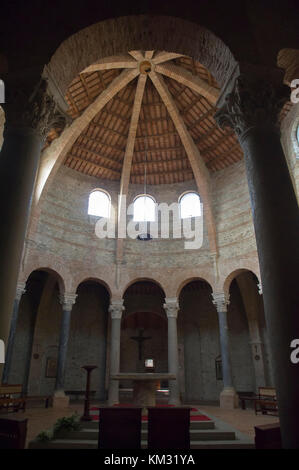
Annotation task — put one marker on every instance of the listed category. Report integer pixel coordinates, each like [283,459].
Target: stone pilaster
[116,310]
[12,332]
[228,396]
[171,308]
[250,104]
[67,301]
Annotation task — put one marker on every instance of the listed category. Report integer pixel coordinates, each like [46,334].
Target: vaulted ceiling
[162,118]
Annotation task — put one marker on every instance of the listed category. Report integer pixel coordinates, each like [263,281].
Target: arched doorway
[143,329]
[37,333]
[198,336]
[88,338]
[250,358]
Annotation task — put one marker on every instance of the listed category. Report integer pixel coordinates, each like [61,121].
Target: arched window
[144,209]
[99,203]
[190,205]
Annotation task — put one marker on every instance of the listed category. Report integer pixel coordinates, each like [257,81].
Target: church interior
[149,168]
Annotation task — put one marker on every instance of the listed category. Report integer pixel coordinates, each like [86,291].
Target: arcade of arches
[129,108]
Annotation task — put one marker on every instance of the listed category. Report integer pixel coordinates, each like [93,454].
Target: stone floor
[41,419]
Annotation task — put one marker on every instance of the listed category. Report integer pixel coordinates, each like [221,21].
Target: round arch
[233,275]
[187,281]
[96,281]
[60,280]
[142,279]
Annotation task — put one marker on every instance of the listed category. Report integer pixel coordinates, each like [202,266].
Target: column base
[229,399]
[60,400]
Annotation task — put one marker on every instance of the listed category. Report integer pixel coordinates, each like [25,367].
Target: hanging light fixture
[144,236]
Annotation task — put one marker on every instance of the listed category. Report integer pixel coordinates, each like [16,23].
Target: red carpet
[95,415]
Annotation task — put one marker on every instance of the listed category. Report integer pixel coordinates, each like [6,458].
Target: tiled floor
[41,419]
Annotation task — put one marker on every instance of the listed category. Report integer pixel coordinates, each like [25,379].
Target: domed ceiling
[161,119]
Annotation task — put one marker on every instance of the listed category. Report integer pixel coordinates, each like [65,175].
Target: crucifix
[140,339]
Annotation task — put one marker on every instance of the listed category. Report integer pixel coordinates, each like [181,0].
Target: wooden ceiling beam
[222,140]
[96,154]
[90,162]
[125,177]
[148,55]
[164,56]
[201,173]
[101,126]
[183,76]
[234,147]
[160,149]
[119,149]
[116,62]
[137,55]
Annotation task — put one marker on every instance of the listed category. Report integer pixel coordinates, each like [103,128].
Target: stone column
[250,296]
[12,333]
[29,114]
[116,309]
[250,104]
[228,396]
[67,301]
[171,308]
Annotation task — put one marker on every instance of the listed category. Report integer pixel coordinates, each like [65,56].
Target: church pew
[119,428]
[11,398]
[168,428]
[13,433]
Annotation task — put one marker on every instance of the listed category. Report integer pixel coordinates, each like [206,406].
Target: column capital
[67,300]
[171,306]
[116,309]
[252,98]
[32,108]
[260,288]
[221,301]
[20,290]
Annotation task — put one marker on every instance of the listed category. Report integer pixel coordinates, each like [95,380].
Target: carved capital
[253,100]
[36,111]
[20,290]
[67,301]
[221,301]
[116,309]
[171,307]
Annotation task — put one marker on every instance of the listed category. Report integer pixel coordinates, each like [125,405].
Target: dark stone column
[13,326]
[228,396]
[116,309]
[250,105]
[67,301]
[171,308]
[29,113]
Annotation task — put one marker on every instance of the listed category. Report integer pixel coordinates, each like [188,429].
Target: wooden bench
[8,399]
[12,433]
[168,428]
[265,402]
[9,402]
[246,396]
[268,436]
[120,428]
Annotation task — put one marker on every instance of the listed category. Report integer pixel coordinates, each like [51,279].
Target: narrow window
[144,209]
[190,205]
[99,203]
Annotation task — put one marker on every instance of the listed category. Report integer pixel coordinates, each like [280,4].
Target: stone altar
[144,385]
